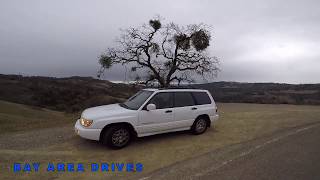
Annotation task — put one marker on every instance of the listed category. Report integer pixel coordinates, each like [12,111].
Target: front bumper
[93,134]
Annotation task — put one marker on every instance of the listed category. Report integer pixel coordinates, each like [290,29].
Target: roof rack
[179,87]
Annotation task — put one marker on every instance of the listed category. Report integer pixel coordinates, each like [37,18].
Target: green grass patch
[18,118]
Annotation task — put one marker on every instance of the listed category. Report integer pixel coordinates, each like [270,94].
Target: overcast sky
[255,40]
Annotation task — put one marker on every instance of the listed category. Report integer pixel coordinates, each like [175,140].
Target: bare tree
[163,54]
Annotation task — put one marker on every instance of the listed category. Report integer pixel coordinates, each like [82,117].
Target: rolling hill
[74,94]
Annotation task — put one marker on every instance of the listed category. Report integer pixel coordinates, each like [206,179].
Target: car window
[183,99]
[201,98]
[136,101]
[162,100]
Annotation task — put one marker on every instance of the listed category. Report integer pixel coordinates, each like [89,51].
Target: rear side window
[162,100]
[201,98]
[182,99]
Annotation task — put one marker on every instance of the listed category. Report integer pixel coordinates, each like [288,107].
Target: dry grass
[18,118]
[238,123]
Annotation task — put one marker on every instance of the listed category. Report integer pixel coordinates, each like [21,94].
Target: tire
[117,137]
[199,126]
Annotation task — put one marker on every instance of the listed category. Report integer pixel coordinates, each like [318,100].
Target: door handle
[194,108]
[168,111]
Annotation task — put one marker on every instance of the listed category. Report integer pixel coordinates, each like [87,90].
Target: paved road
[294,157]
[290,155]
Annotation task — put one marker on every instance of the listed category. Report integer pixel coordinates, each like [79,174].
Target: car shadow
[163,136]
[85,144]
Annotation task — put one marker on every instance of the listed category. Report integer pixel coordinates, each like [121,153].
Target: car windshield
[136,101]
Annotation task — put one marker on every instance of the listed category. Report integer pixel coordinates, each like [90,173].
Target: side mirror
[151,107]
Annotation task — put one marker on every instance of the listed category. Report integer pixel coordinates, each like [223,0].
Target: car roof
[175,90]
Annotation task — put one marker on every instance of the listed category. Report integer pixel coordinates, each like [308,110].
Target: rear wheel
[199,126]
[117,136]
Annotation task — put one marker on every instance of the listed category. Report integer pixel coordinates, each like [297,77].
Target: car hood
[112,110]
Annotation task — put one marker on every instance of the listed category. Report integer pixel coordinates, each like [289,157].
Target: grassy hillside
[17,118]
[74,94]
[63,94]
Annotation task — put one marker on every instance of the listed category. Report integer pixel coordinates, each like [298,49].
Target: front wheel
[117,137]
[199,126]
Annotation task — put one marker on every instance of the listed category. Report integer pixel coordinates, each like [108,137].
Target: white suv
[148,112]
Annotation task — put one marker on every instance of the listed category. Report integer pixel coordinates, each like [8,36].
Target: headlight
[85,122]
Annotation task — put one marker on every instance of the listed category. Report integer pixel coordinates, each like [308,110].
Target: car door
[157,120]
[204,103]
[184,109]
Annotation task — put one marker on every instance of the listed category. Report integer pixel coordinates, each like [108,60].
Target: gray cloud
[256,41]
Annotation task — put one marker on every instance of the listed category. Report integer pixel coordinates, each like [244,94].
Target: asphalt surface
[289,155]
[294,157]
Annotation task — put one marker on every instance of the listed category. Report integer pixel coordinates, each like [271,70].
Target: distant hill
[264,93]
[77,93]
[63,94]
